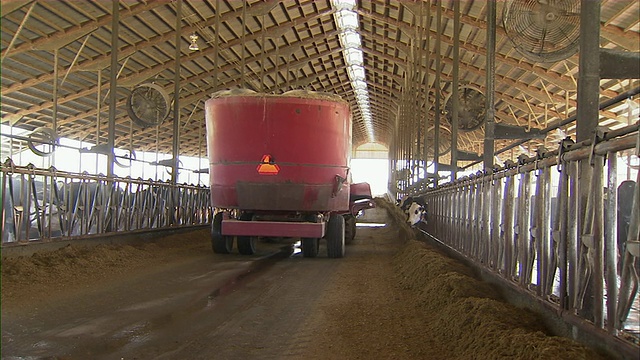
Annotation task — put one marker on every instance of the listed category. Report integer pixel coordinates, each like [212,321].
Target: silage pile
[397,217]
[468,314]
[79,265]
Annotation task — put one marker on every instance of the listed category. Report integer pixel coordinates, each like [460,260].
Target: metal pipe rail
[522,223]
[45,204]
[557,125]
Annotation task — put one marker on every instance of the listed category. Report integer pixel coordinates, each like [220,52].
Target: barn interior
[439,90]
[396,63]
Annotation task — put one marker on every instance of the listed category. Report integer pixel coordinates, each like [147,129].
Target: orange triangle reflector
[267,167]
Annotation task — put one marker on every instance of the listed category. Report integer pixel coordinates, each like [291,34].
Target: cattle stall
[526,224]
[45,204]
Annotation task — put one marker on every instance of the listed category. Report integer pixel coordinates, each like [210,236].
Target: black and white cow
[416,209]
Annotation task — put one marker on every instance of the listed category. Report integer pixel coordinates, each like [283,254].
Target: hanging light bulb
[194,42]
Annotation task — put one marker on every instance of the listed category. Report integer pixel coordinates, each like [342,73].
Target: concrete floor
[194,306]
[178,300]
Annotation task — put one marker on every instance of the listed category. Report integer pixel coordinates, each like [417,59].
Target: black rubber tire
[310,247]
[349,228]
[220,244]
[247,245]
[335,236]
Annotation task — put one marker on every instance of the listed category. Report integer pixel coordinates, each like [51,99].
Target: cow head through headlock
[416,214]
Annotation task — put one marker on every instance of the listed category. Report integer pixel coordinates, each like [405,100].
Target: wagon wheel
[349,228]
[247,244]
[335,236]
[221,244]
[310,247]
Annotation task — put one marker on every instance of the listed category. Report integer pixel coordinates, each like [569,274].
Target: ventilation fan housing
[471,111]
[148,105]
[543,30]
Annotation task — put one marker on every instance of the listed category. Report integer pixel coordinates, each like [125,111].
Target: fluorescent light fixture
[353,56]
[344,4]
[347,19]
[347,22]
[350,39]
[356,72]
[359,84]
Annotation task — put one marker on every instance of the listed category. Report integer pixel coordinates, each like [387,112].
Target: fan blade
[565,8]
[542,41]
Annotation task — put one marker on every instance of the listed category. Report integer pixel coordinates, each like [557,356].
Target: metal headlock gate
[525,223]
[43,204]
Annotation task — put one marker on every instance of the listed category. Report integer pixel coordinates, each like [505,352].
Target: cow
[416,214]
[416,209]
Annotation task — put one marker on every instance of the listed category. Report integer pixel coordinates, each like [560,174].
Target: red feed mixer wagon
[279,167]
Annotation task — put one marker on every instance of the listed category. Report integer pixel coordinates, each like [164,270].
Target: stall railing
[45,204]
[555,226]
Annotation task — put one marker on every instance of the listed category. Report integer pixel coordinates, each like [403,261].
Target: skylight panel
[353,56]
[344,4]
[359,84]
[347,22]
[347,19]
[350,39]
[356,72]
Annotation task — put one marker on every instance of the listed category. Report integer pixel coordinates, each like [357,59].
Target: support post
[243,65]
[490,71]
[427,87]
[113,83]
[456,89]
[216,44]
[436,127]
[54,116]
[588,71]
[176,96]
[587,112]
[610,251]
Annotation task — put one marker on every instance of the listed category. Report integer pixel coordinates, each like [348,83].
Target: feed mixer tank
[279,167]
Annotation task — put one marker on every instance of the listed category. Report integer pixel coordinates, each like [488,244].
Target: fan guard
[148,105]
[472,108]
[543,30]
[445,140]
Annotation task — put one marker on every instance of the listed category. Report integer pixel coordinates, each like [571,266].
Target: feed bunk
[279,167]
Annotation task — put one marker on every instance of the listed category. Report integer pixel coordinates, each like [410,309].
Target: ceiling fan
[148,105]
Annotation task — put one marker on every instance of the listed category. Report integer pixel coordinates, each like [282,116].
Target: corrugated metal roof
[282,45]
